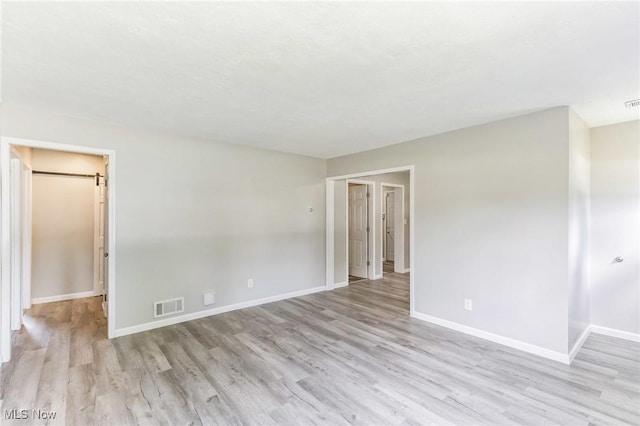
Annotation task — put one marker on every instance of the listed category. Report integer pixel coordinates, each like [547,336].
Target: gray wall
[63,224]
[615,226]
[340,266]
[579,228]
[491,206]
[194,216]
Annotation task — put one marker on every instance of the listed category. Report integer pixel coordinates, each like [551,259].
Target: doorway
[17,225]
[338,251]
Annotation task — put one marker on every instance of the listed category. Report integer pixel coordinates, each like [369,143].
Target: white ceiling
[321,79]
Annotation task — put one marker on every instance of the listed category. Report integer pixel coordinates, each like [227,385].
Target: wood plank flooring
[350,356]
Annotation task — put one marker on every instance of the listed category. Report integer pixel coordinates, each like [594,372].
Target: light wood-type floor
[352,355]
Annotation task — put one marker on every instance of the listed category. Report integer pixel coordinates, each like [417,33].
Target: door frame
[27,219]
[371,237]
[398,234]
[330,283]
[21,282]
[16,232]
[5,227]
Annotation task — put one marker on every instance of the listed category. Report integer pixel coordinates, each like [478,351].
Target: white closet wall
[63,225]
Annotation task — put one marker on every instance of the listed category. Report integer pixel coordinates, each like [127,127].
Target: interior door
[390,225]
[105,240]
[100,243]
[358,230]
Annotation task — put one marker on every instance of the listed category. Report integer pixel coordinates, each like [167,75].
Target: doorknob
[619,259]
[106,255]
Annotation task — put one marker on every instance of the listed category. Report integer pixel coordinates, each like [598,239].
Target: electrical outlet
[209,298]
[250,283]
[468,304]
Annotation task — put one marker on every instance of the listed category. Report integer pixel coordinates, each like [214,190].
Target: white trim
[346,231]
[26,241]
[496,338]
[111,262]
[62,297]
[209,312]
[5,290]
[55,146]
[16,181]
[338,285]
[373,172]
[377,276]
[598,329]
[578,343]
[406,270]
[412,230]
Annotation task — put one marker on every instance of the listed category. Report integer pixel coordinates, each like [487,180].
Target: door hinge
[368,263]
[368,195]
[368,229]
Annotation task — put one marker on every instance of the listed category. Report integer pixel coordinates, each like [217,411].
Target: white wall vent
[633,103]
[168,307]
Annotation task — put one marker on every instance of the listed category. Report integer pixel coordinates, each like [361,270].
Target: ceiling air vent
[168,307]
[633,103]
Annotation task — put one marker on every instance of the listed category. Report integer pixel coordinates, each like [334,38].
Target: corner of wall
[578,272]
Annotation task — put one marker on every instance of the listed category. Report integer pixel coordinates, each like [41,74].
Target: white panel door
[358,234]
[100,230]
[390,226]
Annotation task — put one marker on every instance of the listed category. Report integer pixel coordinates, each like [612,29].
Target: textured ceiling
[321,79]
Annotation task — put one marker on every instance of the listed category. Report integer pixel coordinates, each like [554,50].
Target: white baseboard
[62,297]
[496,338]
[598,329]
[377,277]
[206,313]
[338,285]
[578,343]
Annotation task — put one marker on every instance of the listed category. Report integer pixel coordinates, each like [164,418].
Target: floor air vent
[168,307]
